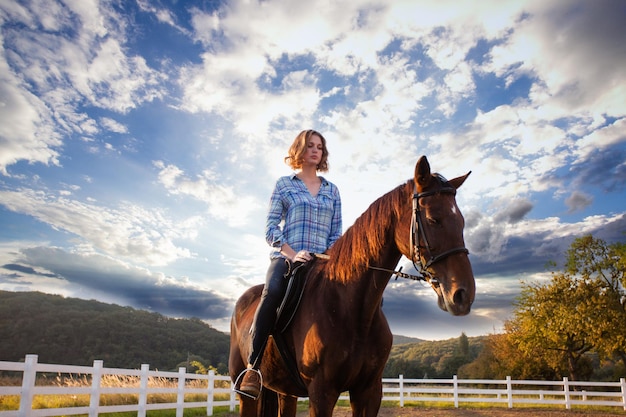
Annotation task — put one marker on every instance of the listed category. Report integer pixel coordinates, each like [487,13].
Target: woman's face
[314,151]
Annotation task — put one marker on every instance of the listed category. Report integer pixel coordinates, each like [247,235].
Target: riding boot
[251,383]
[264,321]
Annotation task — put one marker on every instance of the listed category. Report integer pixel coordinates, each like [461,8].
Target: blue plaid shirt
[304,222]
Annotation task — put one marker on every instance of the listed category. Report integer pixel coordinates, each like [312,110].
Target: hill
[433,359]
[76,332]
[402,340]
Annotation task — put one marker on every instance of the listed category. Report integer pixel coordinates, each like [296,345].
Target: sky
[140,140]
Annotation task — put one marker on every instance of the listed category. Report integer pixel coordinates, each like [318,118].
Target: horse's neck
[376,280]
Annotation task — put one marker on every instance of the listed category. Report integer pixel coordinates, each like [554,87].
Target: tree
[579,310]
[501,357]
[605,265]
[464,345]
[553,321]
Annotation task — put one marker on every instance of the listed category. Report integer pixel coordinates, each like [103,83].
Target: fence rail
[185,390]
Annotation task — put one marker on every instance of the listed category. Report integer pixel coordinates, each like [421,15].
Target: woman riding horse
[338,339]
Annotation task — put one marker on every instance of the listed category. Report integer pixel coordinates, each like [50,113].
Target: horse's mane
[350,255]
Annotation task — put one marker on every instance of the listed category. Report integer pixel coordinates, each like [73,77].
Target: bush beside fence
[183,390]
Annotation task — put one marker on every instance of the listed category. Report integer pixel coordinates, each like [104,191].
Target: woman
[304,218]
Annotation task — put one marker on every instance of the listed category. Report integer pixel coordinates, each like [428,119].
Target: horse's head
[436,247]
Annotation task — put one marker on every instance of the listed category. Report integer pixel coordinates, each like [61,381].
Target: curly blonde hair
[295,155]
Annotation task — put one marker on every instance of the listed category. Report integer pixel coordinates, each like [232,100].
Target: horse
[339,338]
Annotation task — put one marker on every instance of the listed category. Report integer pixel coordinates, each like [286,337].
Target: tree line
[432,359]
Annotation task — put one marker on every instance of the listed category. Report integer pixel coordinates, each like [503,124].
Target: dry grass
[12,402]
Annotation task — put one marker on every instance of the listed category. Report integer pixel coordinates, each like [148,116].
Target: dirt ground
[469,412]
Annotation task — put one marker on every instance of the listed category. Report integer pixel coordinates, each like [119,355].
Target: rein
[397,273]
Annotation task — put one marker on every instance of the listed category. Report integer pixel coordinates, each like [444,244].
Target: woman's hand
[302,256]
[288,252]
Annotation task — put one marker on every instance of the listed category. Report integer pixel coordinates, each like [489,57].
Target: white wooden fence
[216,390]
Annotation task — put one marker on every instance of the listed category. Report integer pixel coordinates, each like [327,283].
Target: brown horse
[339,338]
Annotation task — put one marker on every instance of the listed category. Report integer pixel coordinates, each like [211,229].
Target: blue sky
[140,140]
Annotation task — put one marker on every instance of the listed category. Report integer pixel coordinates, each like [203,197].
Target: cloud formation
[139,141]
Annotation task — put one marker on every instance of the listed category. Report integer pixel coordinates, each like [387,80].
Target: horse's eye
[432,221]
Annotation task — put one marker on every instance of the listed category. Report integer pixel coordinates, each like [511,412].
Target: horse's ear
[458,181]
[422,173]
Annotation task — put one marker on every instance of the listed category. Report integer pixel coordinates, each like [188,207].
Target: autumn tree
[592,260]
[577,311]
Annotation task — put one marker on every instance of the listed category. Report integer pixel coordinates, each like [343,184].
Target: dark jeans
[265,316]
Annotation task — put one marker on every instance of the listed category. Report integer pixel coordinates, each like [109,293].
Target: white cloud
[223,202]
[129,232]
[79,57]
[558,42]
[601,138]
[26,126]
[113,125]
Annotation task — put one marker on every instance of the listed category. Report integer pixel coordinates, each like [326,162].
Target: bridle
[418,231]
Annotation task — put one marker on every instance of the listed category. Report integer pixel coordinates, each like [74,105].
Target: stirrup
[237,382]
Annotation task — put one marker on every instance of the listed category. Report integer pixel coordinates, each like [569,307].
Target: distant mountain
[400,340]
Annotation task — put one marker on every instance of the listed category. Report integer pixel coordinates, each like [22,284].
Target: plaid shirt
[304,222]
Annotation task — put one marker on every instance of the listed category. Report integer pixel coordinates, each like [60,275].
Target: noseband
[418,232]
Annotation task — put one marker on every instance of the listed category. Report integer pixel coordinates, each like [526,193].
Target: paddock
[401,397]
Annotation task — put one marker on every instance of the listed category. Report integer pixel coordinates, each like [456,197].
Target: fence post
[566,392]
[622,382]
[210,393]
[401,386]
[180,398]
[456,392]
[233,398]
[143,391]
[509,391]
[28,384]
[94,395]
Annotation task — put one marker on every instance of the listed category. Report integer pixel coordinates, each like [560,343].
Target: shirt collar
[294,176]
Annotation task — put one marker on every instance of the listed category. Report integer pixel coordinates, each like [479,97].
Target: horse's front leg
[366,402]
[287,405]
[322,400]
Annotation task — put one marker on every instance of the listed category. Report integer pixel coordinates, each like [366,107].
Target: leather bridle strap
[419,232]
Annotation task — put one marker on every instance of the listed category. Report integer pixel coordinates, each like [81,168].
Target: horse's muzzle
[459,304]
